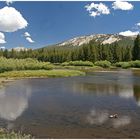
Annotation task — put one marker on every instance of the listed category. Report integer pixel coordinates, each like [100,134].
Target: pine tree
[136,48]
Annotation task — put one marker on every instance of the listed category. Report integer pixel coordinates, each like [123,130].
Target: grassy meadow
[22,68]
[5,134]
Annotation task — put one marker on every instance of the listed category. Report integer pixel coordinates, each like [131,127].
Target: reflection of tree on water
[14,100]
[124,91]
[122,86]
[136,89]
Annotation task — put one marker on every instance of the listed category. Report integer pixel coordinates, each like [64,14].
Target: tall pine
[136,48]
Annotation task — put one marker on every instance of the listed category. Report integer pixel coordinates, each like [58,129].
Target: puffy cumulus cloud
[97,9]
[29,39]
[2,38]
[2,47]
[26,34]
[122,5]
[138,24]
[11,20]
[8,2]
[129,33]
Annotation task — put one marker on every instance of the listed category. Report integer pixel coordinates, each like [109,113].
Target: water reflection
[120,84]
[125,84]
[98,117]
[121,121]
[14,100]
[137,94]
[84,103]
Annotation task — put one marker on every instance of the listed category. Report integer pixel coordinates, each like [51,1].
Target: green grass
[23,64]
[78,63]
[41,73]
[129,64]
[5,134]
[104,64]
[84,68]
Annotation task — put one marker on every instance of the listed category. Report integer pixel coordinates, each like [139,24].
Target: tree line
[92,51]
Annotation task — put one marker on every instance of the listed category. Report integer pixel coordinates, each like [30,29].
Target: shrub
[135,64]
[126,65]
[5,134]
[123,64]
[23,64]
[104,64]
[65,64]
[118,64]
[78,63]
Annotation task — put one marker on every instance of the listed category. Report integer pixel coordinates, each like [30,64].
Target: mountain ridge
[100,38]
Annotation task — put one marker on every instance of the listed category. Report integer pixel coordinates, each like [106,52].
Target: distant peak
[102,38]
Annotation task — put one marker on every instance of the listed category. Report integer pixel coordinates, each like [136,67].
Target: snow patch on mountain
[78,41]
[102,38]
[111,40]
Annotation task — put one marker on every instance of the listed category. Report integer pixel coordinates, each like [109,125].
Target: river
[74,107]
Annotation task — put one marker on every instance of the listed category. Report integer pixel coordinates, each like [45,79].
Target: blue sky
[54,22]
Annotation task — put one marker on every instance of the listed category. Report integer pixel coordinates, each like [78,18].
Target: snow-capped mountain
[18,49]
[102,38]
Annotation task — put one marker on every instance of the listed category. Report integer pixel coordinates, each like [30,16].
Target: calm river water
[74,107]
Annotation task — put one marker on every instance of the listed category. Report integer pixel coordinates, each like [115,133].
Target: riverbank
[5,134]
[41,73]
[57,72]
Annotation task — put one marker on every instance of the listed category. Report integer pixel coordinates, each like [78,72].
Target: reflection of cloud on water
[100,117]
[121,121]
[97,117]
[10,126]
[126,91]
[13,101]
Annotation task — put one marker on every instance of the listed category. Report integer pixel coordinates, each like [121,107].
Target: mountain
[102,38]
[123,41]
[119,49]
[18,49]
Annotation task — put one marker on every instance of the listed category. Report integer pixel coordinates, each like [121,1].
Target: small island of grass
[41,73]
[5,134]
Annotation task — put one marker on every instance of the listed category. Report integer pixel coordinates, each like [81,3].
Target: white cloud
[129,33]
[2,47]
[26,34]
[138,24]
[11,20]
[29,39]
[2,38]
[122,5]
[97,9]
[8,2]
